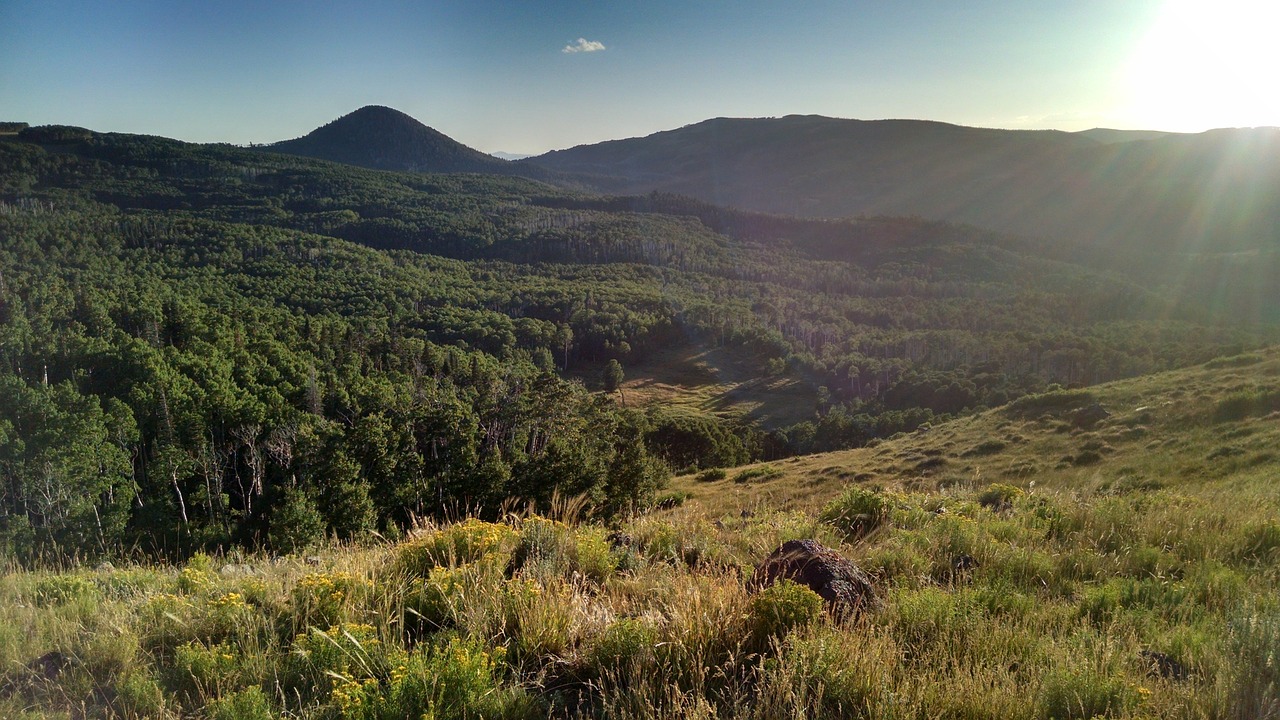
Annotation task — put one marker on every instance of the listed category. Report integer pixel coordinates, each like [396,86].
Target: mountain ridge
[1219,189]
[1093,193]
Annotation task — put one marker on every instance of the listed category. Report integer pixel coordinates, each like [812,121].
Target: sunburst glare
[1206,63]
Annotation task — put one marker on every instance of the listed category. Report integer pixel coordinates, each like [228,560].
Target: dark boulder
[619,540]
[846,589]
[49,665]
[27,679]
[1159,664]
[1087,417]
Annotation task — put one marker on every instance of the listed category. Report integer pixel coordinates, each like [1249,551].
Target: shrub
[454,545]
[1234,361]
[62,589]
[542,622]
[138,696]
[592,555]
[202,673]
[440,600]
[1241,405]
[629,641]
[670,500]
[197,575]
[296,524]
[248,704]
[544,546]
[1086,457]
[325,599]
[763,472]
[856,512]
[455,678]
[782,607]
[842,673]
[998,496]
[324,660]
[986,447]
[1054,402]
[1082,695]
[711,475]
[1255,637]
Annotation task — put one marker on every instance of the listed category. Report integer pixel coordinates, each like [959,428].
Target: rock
[1162,665]
[1087,417]
[619,540]
[691,556]
[105,566]
[236,570]
[846,589]
[49,665]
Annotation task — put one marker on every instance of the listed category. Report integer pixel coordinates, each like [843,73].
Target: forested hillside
[207,345]
[1139,199]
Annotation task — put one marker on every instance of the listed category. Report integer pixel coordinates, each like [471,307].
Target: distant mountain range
[1214,190]
[1105,189]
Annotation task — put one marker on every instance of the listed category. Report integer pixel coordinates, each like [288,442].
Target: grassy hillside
[1189,429]
[1030,562]
[714,380]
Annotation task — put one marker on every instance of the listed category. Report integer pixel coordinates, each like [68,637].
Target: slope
[203,318]
[1138,593]
[385,139]
[1211,427]
[1213,192]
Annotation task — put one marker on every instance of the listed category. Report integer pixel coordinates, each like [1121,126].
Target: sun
[1205,64]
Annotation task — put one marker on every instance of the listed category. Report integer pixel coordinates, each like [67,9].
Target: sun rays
[1206,64]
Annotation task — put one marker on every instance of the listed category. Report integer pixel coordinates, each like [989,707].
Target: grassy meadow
[1033,561]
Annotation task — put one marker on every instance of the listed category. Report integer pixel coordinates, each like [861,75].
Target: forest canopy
[203,346]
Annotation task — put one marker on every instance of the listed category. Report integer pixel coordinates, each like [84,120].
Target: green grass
[720,381]
[1065,593]
[1013,586]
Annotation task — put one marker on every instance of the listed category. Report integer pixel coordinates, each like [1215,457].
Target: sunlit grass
[1145,585]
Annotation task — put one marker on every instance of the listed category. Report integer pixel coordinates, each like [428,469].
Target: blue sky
[495,75]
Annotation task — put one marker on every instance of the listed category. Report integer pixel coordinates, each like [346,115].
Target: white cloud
[583,45]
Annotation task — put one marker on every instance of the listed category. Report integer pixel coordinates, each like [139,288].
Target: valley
[327,428]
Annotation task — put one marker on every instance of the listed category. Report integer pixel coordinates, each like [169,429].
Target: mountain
[385,139]
[501,155]
[1107,136]
[1218,190]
